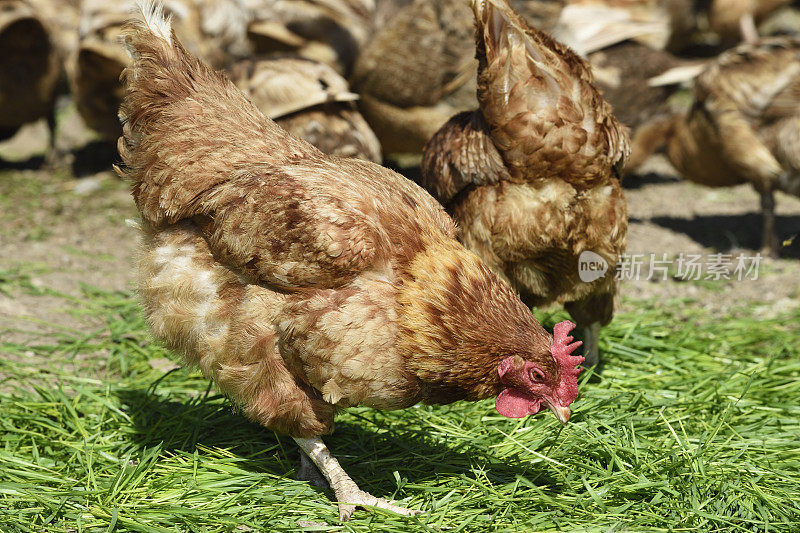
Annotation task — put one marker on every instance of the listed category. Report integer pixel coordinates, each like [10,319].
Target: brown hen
[415,72]
[303,283]
[29,69]
[531,178]
[744,125]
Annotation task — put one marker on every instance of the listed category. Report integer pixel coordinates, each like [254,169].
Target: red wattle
[512,404]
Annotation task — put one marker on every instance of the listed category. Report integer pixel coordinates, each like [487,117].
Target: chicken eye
[536,375]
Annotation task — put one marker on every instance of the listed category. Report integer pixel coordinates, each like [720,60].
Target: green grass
[692,424]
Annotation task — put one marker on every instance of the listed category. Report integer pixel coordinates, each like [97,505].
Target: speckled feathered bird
[100,58]
[532,178]
[328,31]
[311,101]
[417,71]
[29,67]
[744,125]
[303,283]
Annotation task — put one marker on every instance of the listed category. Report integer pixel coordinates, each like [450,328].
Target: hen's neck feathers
[459,320]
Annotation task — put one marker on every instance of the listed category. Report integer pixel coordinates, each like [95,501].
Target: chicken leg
[747,25]
[347,492]
[769,239]
[591,350]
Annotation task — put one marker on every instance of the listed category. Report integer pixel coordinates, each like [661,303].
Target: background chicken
[743,125]
[29,68]
[331,31]
[735,20]
[100,58]
[311,101]
[303,282]
[416,72]
[531,178]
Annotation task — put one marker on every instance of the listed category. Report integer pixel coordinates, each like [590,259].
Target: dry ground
[58,231]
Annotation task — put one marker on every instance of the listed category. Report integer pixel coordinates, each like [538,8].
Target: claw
[356,497]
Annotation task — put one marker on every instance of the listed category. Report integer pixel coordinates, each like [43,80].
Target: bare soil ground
[58,231]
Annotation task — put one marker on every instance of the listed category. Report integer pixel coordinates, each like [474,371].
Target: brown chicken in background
[329,31]
[311,101]
[532,177]
[743,125]
[29,69]
[97,64]
[590,25]
[302,282]
[416,72]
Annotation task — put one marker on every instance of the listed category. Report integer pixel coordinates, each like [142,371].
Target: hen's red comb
[562,349]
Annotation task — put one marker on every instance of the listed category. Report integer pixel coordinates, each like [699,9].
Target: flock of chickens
[302,276]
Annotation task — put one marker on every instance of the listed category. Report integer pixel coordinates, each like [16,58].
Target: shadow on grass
[724,232]
[369,457]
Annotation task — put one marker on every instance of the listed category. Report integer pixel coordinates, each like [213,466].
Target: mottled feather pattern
[532,177]
[470,160]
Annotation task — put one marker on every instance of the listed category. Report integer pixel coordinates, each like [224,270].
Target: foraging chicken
[743,125]
[100,58]
[29,69]
[329,31]
[735,20]
[303,283]
[416,72]
[311,101]
[532,177]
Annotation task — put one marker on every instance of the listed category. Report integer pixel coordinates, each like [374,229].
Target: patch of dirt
[56,233]
[673,216]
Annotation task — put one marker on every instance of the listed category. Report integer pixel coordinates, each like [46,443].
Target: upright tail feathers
[186,128]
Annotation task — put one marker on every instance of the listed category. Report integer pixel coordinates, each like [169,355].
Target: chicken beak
[561,412]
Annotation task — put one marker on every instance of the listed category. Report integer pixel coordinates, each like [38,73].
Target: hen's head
[552,381]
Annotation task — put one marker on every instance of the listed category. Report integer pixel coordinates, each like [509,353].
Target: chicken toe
[347,492]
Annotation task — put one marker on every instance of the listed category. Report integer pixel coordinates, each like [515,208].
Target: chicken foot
[348,495]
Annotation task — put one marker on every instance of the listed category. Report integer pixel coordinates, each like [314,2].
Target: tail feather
[186,128]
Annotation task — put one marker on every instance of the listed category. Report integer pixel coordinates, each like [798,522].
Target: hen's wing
[461,154]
